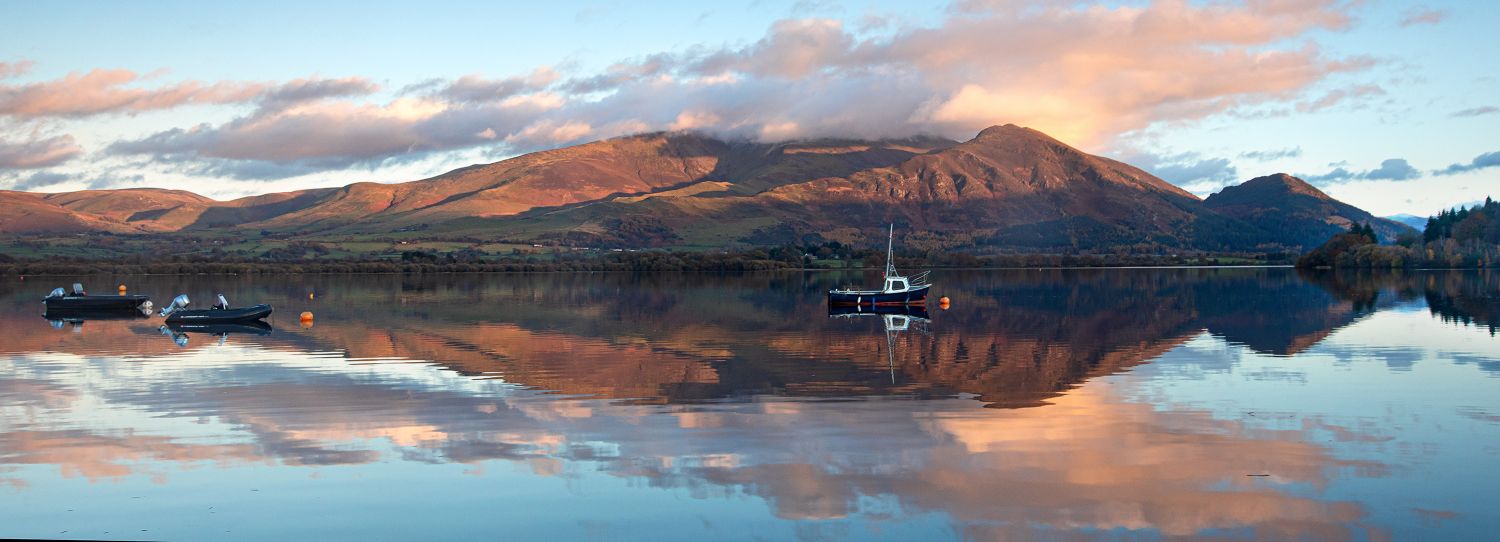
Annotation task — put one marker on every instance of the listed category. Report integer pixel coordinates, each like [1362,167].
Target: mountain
[1008,188]
[1294,213]
[1416,222]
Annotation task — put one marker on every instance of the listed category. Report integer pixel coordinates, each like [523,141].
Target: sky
[1391,106]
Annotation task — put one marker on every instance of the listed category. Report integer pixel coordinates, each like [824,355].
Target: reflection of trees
[1467,297]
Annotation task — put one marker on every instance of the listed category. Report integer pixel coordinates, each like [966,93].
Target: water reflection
[179,331]
[637,392]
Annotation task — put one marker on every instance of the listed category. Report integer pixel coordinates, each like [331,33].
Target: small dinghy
[899,291]
[221,313]
[60,302]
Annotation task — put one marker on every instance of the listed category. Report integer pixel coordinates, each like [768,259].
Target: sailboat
[899,290]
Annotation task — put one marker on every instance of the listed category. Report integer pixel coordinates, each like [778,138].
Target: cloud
[15,69]
[38,153]
[476,89]
[1476,111]
[308,90]
[1486,160]
[1393,169]
[1339,95]
[1208,169]
[105,91]
[40,179]
[1274,154]
[1120,70]
[279,143]
[1419,15]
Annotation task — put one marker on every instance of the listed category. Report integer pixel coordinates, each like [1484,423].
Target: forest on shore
[1464,237]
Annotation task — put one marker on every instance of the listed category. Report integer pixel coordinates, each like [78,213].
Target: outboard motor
[180,338]
[178,303]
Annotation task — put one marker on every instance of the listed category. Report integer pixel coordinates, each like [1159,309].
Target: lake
[1109,403]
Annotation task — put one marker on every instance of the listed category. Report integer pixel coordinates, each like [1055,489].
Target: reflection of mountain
[1274,313]
[1012,338]
[1015,340]
[718,388]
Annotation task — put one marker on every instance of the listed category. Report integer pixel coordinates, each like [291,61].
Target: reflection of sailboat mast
[890,347]
[894,323]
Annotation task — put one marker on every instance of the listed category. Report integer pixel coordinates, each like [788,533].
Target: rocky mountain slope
[1008,188]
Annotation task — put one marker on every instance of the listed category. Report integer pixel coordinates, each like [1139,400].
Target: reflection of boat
[254,327]
[81,316]
[178,331]
[898,290]
[60,302]
[221,313]
[919,311]
[896,319]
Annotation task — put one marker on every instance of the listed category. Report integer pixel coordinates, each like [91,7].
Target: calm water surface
[1238,403]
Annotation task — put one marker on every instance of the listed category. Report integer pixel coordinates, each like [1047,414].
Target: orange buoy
[122,289]
[306,316]
[943,302]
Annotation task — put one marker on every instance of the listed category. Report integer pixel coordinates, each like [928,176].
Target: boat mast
[890,266]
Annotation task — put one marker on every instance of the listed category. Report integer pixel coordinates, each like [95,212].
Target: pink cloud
[1084,74]
[38,152]
[15,69]
[103,91]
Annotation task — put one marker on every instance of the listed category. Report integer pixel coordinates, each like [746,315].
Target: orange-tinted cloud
[14,69]
[103,91]
[1085,74]
[38,153]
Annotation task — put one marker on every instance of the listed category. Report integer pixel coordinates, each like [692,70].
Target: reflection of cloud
[28,392]
[1088,460]
[96,456]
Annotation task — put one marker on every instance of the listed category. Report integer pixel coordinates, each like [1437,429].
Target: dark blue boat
[80,302]
[899,290]
[221,313]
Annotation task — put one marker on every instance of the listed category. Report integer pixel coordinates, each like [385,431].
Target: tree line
[1463,237]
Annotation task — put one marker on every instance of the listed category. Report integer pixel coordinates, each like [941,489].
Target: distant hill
[1294,213]
[1009,188]
[1416,222]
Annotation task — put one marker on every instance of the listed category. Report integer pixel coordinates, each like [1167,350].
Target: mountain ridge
[1007,188]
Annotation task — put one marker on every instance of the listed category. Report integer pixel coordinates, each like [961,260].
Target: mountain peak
[1008,130]
[1282,182]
